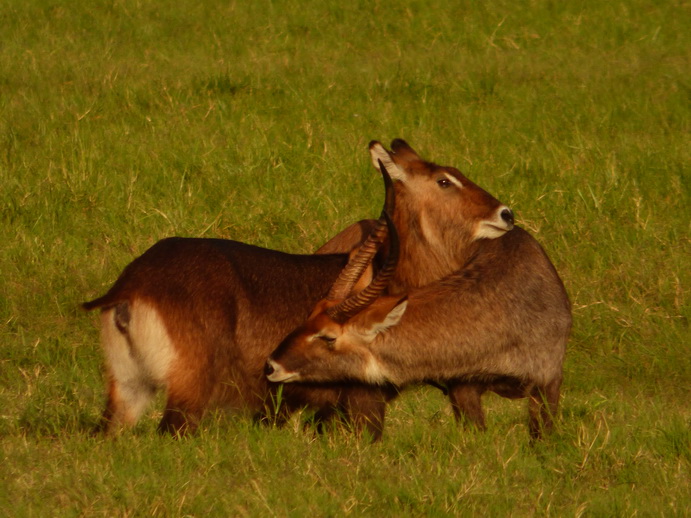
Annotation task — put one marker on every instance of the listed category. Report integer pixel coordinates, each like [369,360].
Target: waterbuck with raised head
[198,317]
[441,215]
[500,322]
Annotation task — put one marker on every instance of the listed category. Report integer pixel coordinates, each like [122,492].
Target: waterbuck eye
[444,183]
[329,341]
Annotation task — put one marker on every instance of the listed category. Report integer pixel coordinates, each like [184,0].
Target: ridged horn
[342,287]
[355,303]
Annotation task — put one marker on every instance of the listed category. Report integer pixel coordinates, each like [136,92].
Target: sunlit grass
[123,122]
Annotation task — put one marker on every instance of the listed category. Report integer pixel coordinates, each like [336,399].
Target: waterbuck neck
[427,253]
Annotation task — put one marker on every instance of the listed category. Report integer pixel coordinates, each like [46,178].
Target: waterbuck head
[333,343]
[335,347]
[314,342]
[440,214]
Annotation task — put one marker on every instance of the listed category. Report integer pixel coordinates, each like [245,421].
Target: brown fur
[223,306]
[499,323]
[348,238]
[438,227]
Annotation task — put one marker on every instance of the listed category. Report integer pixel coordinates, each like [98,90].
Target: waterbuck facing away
[198,317]
[500,323]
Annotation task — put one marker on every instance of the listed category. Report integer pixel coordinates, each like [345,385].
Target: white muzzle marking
[495,227]
[280,375]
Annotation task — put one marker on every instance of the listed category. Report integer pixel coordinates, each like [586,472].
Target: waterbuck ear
[377,153]
[384,313]
[403,150]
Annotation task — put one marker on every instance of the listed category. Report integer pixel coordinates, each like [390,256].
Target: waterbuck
[500,322]
[440,214]
[198,317]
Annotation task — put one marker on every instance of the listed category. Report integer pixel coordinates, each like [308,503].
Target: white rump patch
[138,360]
[151,342]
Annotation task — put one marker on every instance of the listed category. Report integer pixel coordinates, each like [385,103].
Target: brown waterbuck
[500,323]
[198,317]
[441,216]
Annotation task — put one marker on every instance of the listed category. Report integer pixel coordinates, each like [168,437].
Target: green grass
[124,122]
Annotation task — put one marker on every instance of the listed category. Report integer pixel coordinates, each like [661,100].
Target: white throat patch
[374,372]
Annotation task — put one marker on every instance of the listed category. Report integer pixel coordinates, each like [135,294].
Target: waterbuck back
[198,317]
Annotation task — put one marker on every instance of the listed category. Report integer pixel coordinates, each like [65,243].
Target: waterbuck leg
[361,409]
[467,404]
[113,414]
[365,409]
[105,424]
[180,417]
[124,405]
[543,404]
[322,418]
[110,413]
[188,397]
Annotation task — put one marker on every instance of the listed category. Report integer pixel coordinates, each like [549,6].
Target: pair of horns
[353,304]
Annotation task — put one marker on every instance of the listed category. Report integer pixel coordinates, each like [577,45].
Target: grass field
[123,122]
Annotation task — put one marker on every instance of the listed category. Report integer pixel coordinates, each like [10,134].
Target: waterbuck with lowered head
[500,322]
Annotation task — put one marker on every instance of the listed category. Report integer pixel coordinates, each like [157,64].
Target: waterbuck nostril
[268,369]
[507,216]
